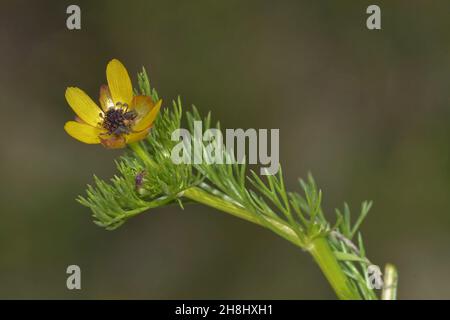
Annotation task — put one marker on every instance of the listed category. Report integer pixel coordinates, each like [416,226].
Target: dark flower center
[118,121]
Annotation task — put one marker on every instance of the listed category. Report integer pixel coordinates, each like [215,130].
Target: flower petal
[142,105]
[119,82]
[136,136]
[105,99]
[83,132]
[83,106]
[146,121]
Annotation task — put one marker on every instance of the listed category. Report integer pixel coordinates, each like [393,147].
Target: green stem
[325,258]
[210,200]
[390,283]
[141,153]
[318,247]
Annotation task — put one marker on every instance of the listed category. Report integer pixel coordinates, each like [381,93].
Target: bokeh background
[367,112]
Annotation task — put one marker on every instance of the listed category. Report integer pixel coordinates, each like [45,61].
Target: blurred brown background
[368,112]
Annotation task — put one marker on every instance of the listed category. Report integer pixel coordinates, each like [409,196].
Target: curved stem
[318,247]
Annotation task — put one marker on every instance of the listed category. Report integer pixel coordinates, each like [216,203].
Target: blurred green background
[367,112]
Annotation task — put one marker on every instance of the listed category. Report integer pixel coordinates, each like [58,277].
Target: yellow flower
[122,118]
